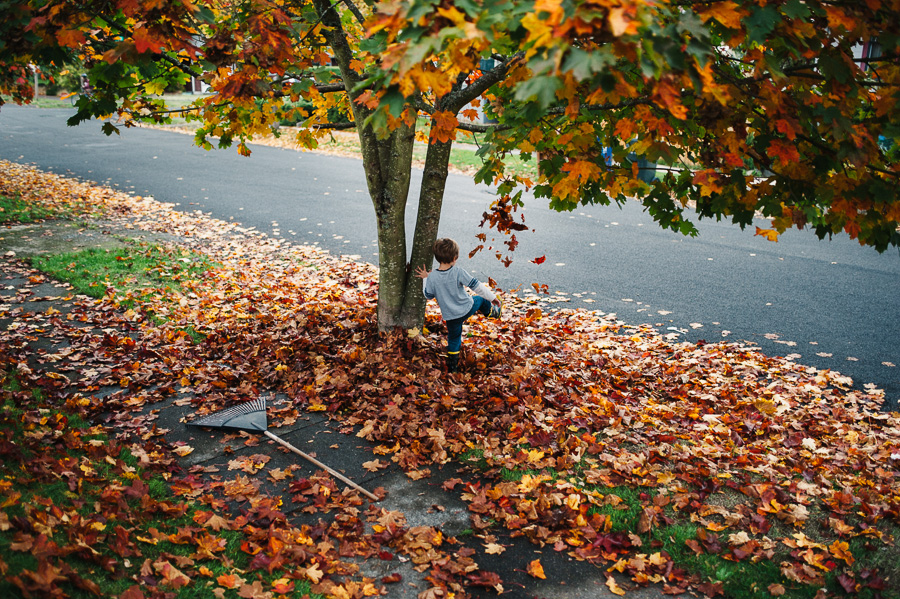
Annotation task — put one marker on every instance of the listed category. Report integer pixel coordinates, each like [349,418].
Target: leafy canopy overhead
[748,107]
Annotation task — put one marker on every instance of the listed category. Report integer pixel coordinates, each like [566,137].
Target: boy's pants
[455,327]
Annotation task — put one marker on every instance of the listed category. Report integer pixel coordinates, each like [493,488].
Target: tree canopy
[785,108]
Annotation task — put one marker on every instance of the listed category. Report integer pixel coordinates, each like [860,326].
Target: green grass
[130,272]
[133,273]
[16,210]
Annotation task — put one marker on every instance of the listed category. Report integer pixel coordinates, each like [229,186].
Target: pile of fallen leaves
[765,458]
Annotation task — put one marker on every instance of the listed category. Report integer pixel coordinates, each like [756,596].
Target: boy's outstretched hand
[421,272]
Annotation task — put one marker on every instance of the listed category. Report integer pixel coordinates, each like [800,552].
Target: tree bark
[431,199]
[389,197]
[388,165]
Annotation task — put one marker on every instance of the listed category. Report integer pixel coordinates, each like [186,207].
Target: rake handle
[306,456]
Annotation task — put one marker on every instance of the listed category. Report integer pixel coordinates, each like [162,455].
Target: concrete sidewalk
[38,311]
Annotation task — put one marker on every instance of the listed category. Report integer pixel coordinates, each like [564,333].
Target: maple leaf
[535,569]
[771,235]
[444,127]
[144,41]
[171,575]
[313,573]
[254,591]
[613,586]
[374,465]
[494,549]
[783,152]
[728,13]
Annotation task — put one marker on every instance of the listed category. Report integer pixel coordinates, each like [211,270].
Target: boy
[447,284]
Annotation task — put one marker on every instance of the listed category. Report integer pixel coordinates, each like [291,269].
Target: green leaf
[541,89]
[795,9]
[761,23]
[109,128]
[584,64]
[834,68]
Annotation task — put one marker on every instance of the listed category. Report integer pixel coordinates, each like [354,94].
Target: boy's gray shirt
[448,286]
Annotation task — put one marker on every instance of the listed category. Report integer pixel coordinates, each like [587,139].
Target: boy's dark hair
[446,250]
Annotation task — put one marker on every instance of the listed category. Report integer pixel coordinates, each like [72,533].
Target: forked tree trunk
[388,166]
[400,299]
[431,199]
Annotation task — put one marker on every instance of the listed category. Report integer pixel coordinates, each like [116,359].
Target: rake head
[249,416]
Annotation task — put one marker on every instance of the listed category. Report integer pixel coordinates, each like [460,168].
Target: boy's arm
[423,273]
[481,289]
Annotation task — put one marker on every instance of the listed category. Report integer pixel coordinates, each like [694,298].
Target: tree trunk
[388,166]
[389,182]
[431,199]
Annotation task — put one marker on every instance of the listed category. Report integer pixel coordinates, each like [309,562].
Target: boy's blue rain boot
[453,361]
[495,311]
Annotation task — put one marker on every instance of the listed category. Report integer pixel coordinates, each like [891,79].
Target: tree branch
[335,126]
[356,12]
[458,99]
[479,128]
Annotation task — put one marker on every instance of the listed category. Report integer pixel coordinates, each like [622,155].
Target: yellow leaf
[665,478]
[314,574]
[612,586]
[621,23]
[155,88]
[771,235]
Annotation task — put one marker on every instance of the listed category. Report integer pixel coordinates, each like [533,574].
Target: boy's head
[446,250]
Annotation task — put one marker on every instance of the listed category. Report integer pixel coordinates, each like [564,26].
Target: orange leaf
[144,41]
[727,13]
[444,126]
[770,234]
[784,152]
[536,569]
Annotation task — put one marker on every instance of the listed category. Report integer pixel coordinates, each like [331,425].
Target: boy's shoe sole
[495,312]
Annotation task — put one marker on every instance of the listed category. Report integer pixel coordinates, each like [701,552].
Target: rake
[251,417]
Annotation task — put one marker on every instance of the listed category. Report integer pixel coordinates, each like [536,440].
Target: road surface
[829,304]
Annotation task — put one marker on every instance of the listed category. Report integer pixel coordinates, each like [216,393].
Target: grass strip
[130,271]
[17,210]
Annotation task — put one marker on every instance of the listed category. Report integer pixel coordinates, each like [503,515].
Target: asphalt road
[830,304]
